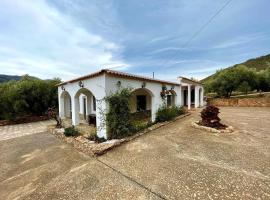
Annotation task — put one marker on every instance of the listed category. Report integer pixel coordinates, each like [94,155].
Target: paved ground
[13,131]
[173,162]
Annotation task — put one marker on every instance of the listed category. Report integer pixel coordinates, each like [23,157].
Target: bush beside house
[118,117]
[71,131]
[165,113]
[27,97]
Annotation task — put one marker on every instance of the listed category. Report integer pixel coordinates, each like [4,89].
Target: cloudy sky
[70,38]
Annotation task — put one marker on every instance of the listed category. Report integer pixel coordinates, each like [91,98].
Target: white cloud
[43,42]
[240,40]
[161,50]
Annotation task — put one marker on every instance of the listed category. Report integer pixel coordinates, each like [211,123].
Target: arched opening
[141,105]
[85,103]
[65,99]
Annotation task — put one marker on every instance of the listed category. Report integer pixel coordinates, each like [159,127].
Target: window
[94,103]
[141,102]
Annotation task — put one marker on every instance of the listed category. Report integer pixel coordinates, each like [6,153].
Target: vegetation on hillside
[27,97]
[260,63]
[240,78]
[6,78]
[252,75]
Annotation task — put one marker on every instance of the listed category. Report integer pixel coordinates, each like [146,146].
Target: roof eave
[120,74]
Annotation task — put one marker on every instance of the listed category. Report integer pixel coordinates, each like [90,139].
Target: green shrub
[165,113]
[139,126]
[118,117]
[96,138]
[71,131]
[238,78]
[27,97]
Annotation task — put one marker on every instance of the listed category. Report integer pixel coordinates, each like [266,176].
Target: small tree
[210,118]
[244,87]
[53,114]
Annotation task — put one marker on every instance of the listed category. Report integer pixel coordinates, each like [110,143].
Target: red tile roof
[190,80]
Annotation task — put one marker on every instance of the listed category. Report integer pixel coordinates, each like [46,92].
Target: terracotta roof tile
[120,74]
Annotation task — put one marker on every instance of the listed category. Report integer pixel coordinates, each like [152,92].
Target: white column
[202,94]
[101,109]
[88,104]
[67,104]
[179,97]
[61,106]
[81,103]
[153,108]
[75,110]
[183,98]
[189,96]
[197,96]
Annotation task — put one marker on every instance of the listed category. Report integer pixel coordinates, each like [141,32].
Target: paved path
[18,130]
[173,162]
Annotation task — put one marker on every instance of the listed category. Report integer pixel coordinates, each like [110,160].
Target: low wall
[240,102]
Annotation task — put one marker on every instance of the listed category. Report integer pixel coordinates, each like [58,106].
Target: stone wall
[241,102]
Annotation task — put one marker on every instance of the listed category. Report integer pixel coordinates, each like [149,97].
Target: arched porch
[141,105]
[65,103]
[85,103]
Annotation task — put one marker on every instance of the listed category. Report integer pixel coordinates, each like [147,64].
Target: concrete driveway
[19,130]
[173,162]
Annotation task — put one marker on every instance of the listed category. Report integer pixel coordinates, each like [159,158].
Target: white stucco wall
[154,87]
[105,85]
[133,100]
[96,86]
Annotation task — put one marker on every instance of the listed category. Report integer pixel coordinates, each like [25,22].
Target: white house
[84,97]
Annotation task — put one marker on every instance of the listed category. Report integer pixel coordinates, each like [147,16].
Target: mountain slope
[5,78]
[259,63]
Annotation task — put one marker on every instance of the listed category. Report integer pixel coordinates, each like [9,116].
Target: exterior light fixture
[81,84]
[118,83]
[163,88]
[63,88]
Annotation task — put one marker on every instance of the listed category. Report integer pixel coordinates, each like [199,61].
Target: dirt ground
[173,162]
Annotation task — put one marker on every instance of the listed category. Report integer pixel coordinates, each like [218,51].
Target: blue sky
[70,38]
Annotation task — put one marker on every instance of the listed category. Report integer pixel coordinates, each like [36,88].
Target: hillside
[259,63]
[5,78]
